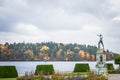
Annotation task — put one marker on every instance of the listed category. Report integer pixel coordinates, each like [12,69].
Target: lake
[59,66]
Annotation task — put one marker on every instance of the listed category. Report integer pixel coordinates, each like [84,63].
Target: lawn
[74,73]
[63,74]
[8,79]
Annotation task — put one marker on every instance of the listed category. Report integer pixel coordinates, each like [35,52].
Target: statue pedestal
[101,68]
[99,51]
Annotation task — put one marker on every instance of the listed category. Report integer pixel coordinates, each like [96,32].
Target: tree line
[50,51]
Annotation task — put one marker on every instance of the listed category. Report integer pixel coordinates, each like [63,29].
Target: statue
[101,68]
[100,41]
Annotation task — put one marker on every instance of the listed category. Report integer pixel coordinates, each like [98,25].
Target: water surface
[59,66]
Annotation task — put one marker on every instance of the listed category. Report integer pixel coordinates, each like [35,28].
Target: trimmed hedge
[81,68]
[110,66]
[8,72]
[44,69]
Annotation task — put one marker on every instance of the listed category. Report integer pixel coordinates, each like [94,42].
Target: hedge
[110,66]
[8,72]
[44,69]
[81,68]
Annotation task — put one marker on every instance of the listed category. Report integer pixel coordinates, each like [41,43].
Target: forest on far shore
[50,51]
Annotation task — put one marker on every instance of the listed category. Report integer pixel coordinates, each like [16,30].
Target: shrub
[44,69]
[8,72]
[110,68]
[100,77]
[81,68]
[92,76]
[117,60]
[56,76]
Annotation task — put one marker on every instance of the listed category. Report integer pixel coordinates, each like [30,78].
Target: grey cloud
[113,30]
[41,12]
[7,19]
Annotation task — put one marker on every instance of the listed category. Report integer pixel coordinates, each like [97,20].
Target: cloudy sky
[66,21]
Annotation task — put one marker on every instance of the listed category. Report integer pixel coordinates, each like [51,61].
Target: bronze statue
[100,41]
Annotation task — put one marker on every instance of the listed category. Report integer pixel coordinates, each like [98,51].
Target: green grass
[63,74]
[74,73]
[8,79]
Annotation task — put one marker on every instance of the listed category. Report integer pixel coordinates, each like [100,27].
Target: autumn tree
[58,54]
[29,54]
[87,56]
[55,51]
[82,54]
[92,57]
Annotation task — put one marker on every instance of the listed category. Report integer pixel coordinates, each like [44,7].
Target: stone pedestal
[101,67]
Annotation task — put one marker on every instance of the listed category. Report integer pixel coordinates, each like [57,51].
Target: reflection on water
[59,66]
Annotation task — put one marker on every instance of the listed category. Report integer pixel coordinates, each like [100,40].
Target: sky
[61,21]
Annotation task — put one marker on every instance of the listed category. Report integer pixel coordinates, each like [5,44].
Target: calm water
[60,66]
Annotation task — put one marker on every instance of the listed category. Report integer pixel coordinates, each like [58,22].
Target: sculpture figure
[100,41]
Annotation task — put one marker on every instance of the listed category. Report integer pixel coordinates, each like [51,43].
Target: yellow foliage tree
[46,57]
[44,48]
[82,54]
[88,56]
[70,52]
[30,53]
[92,57]
[3,47]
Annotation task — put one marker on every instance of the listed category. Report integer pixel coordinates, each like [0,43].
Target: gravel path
[114,77]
